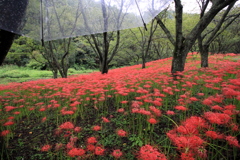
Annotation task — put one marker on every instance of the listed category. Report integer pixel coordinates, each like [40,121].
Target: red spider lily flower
[66,125]
[117,153]
[96,128]
[99,151]
[11,117]
[230,107]
[207,102]
[121,133]
[17,112]
[4,133]
[218,118]
[188,142]
[152,121]
[156,111]
[232,141]
[234,127]
[76,152]
[157,103]
[67,112]
[70,145]
[59,146]
[105,120]
[147,152]
[187,156]
[91,140]
[217,107]
[9,108]
[77,129]
[193,99]
[44,119]
[144,112]
[9,123]
[200,94]
[214,135]
[90,147]
[120,110]
[170,112]
[46,148]
[124,102]
[181,108]
[42,109]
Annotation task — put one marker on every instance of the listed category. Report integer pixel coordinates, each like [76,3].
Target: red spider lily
[44,119]
[181,108]
[70,145]
[121,133]
[170,112]
[155,111]
[124,102]
[152,120]
[105,120]
[77,129]
[46,148]
[91,140]
[11,117]
[9,123]
[200,94]
[117,153]
[9,108]
[217,118]
[99,151]
[214,135]
[76,152]
[157,103]
[90,147]
[147,152]
[187,156]
[189,142]
[232,141]
[207,102]
[217,107]
[193,99]
[66,125]
[120,110]
[96,128]
[4,133]
[17,112]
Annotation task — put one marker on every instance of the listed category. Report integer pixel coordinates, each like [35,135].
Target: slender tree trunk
[204,56]
[143,62]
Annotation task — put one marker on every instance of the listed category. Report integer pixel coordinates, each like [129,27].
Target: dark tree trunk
[143,63]
[204,57]
[6,40]
[183,45]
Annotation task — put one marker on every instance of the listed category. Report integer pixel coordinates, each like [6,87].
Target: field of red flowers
[129,113]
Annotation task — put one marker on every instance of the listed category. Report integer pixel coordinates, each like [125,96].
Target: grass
[12,73]
[126,114]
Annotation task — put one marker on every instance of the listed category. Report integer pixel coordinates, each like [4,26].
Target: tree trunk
[6,40]
[204,56]
[143,62]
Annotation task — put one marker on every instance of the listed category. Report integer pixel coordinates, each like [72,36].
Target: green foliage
[14,74]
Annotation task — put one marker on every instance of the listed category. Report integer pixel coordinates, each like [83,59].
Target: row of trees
[215,30]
